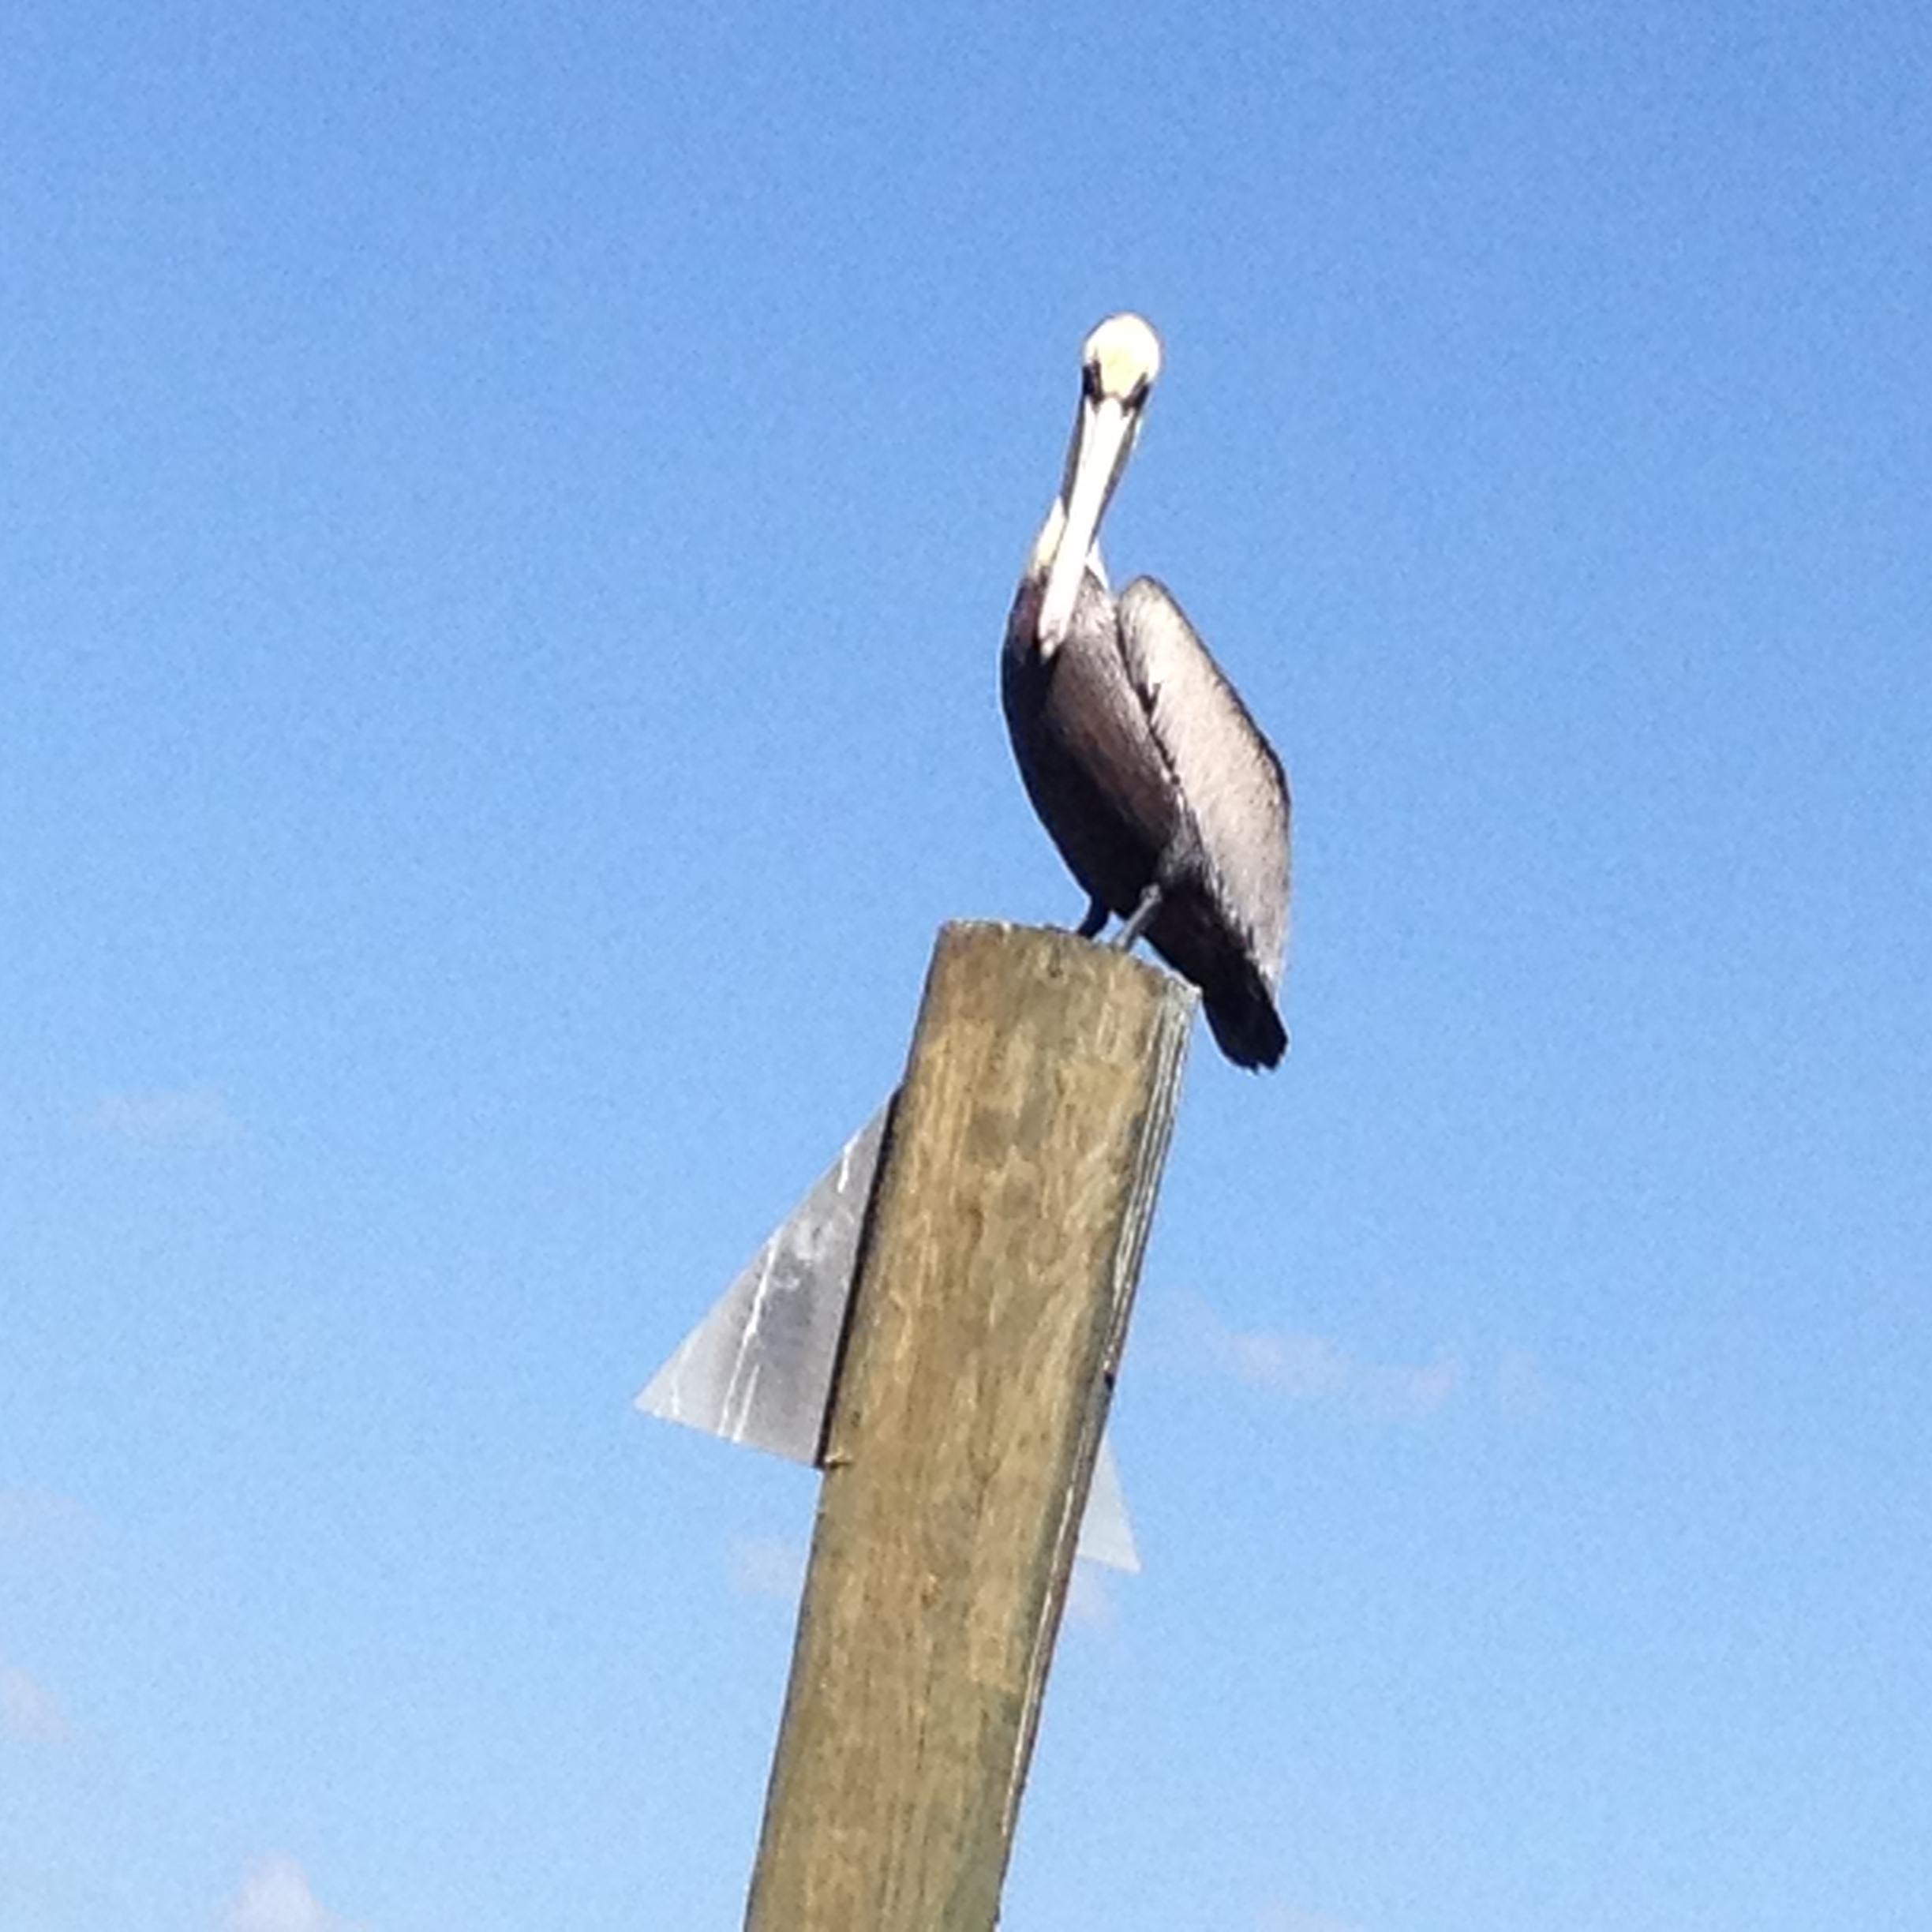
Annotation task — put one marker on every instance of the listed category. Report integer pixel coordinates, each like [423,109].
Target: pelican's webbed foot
[1089,927]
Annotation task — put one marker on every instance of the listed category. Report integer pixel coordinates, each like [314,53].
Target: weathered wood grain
[998,1272]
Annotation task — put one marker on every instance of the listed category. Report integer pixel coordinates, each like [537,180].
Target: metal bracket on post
[759,1369]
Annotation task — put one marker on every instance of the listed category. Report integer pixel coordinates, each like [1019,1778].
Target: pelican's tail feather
[1245,1023]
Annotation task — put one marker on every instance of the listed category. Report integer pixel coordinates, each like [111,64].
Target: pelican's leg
[1149,906]
[1089,927]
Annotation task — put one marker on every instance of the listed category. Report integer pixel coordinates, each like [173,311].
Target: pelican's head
[1119,364]
[1120,358]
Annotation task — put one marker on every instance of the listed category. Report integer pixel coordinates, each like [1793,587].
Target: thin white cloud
[770,1566]
[38,1528]
[1291,1918]
[275,1896]
[1394,1392]
[186,1117]
[1303,1368]
[28,1711]
[1522,1392]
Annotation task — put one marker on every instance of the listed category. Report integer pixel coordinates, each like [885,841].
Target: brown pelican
[1165,799]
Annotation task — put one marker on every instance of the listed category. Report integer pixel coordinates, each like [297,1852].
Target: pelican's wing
[1227,772]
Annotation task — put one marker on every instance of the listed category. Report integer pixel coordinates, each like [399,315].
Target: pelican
[1168,803]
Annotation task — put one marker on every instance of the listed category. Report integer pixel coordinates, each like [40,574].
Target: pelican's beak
[1103,440]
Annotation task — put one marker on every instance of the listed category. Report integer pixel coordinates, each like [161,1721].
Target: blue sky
[508,515]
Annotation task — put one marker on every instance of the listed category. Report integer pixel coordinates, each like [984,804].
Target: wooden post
[1014,1197]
